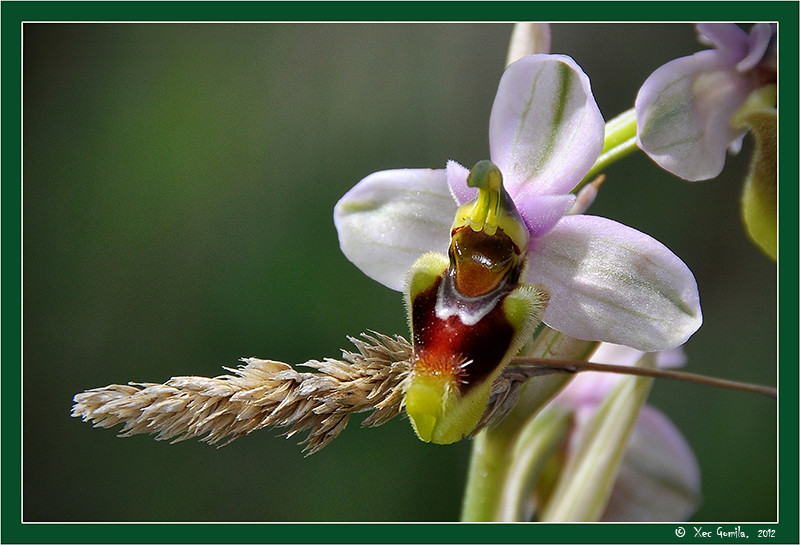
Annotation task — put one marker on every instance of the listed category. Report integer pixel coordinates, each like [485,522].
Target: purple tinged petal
[545,130]
[759,39]
[683,113]
[457,180]
[392,217]
[611,283]
[541,212]
[727,36]
[684,108]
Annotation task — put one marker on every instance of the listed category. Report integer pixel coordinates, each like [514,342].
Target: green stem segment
[537,442]
[493,450]
[620,140]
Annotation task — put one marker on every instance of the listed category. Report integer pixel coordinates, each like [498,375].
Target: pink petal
[541,212]
[546,130]
[611,283]
[760,37]
[683,113]
[727,36]
[457,180]
[392,217]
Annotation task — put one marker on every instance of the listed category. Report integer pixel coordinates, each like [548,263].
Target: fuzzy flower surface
[607,281]
[685,110]
[659,477]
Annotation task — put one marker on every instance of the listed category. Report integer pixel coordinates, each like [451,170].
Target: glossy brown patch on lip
[481,261]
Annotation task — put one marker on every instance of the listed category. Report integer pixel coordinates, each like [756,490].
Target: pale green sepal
[422,275]
[610,282]
[537,442]
[588,477]
[760,195]
[545,130]
[392,217]
[524,308]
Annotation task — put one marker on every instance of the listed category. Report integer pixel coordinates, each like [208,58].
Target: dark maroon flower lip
[468,352]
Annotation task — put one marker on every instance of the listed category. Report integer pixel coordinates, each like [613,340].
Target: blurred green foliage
[179,183]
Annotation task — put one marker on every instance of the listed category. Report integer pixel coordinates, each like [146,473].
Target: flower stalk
[493,449]
[619,141]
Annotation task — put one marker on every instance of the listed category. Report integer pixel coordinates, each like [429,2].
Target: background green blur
[179,184]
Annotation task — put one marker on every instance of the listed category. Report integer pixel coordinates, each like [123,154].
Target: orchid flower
[684,108]
[693,109]
[521,252]
[607,281]
[658,477]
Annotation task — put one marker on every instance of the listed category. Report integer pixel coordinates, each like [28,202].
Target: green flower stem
[620,140]
[492,456]
[537,442]
[620,129]
[493,450]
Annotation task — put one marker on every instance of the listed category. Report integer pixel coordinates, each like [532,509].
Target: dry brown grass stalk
[261,394]
[265,393]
